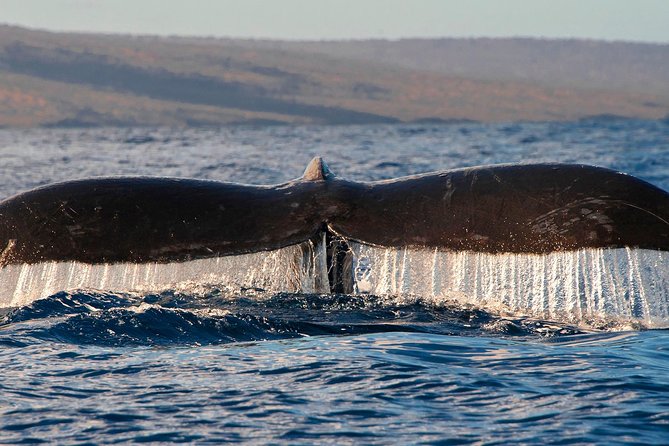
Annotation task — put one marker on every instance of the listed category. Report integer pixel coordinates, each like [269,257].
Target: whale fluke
[103,220]
[538,208]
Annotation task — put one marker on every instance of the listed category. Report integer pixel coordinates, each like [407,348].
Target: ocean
[193,354]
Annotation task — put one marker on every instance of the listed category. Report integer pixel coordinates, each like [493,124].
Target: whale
[521,208]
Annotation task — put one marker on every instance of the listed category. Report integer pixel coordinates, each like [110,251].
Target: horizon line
[327,40]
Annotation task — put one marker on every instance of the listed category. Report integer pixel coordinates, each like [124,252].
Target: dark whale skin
[153,220]
[535,209]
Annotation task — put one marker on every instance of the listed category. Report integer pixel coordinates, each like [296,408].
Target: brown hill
[585,64]
[86,79]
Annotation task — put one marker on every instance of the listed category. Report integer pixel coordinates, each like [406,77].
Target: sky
[631,20]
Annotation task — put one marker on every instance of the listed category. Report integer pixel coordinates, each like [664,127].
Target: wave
[216,317]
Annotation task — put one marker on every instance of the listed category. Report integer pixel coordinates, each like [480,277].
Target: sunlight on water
[574,286]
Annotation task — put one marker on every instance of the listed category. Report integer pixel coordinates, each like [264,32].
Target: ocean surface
[209,359]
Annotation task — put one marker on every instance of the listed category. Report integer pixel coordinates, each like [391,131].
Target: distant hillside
[585,64]
[60,79]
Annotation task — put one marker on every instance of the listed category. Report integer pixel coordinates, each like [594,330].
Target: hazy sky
[637,20]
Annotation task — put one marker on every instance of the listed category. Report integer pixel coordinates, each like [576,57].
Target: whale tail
[540,238]
[534,209]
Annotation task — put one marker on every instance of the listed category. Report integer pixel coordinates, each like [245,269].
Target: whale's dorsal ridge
[317,170]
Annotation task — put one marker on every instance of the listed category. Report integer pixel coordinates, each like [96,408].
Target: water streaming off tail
[583,286]
[294,268]
[576,286]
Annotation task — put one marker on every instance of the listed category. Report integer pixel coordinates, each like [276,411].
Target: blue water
[109,366]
